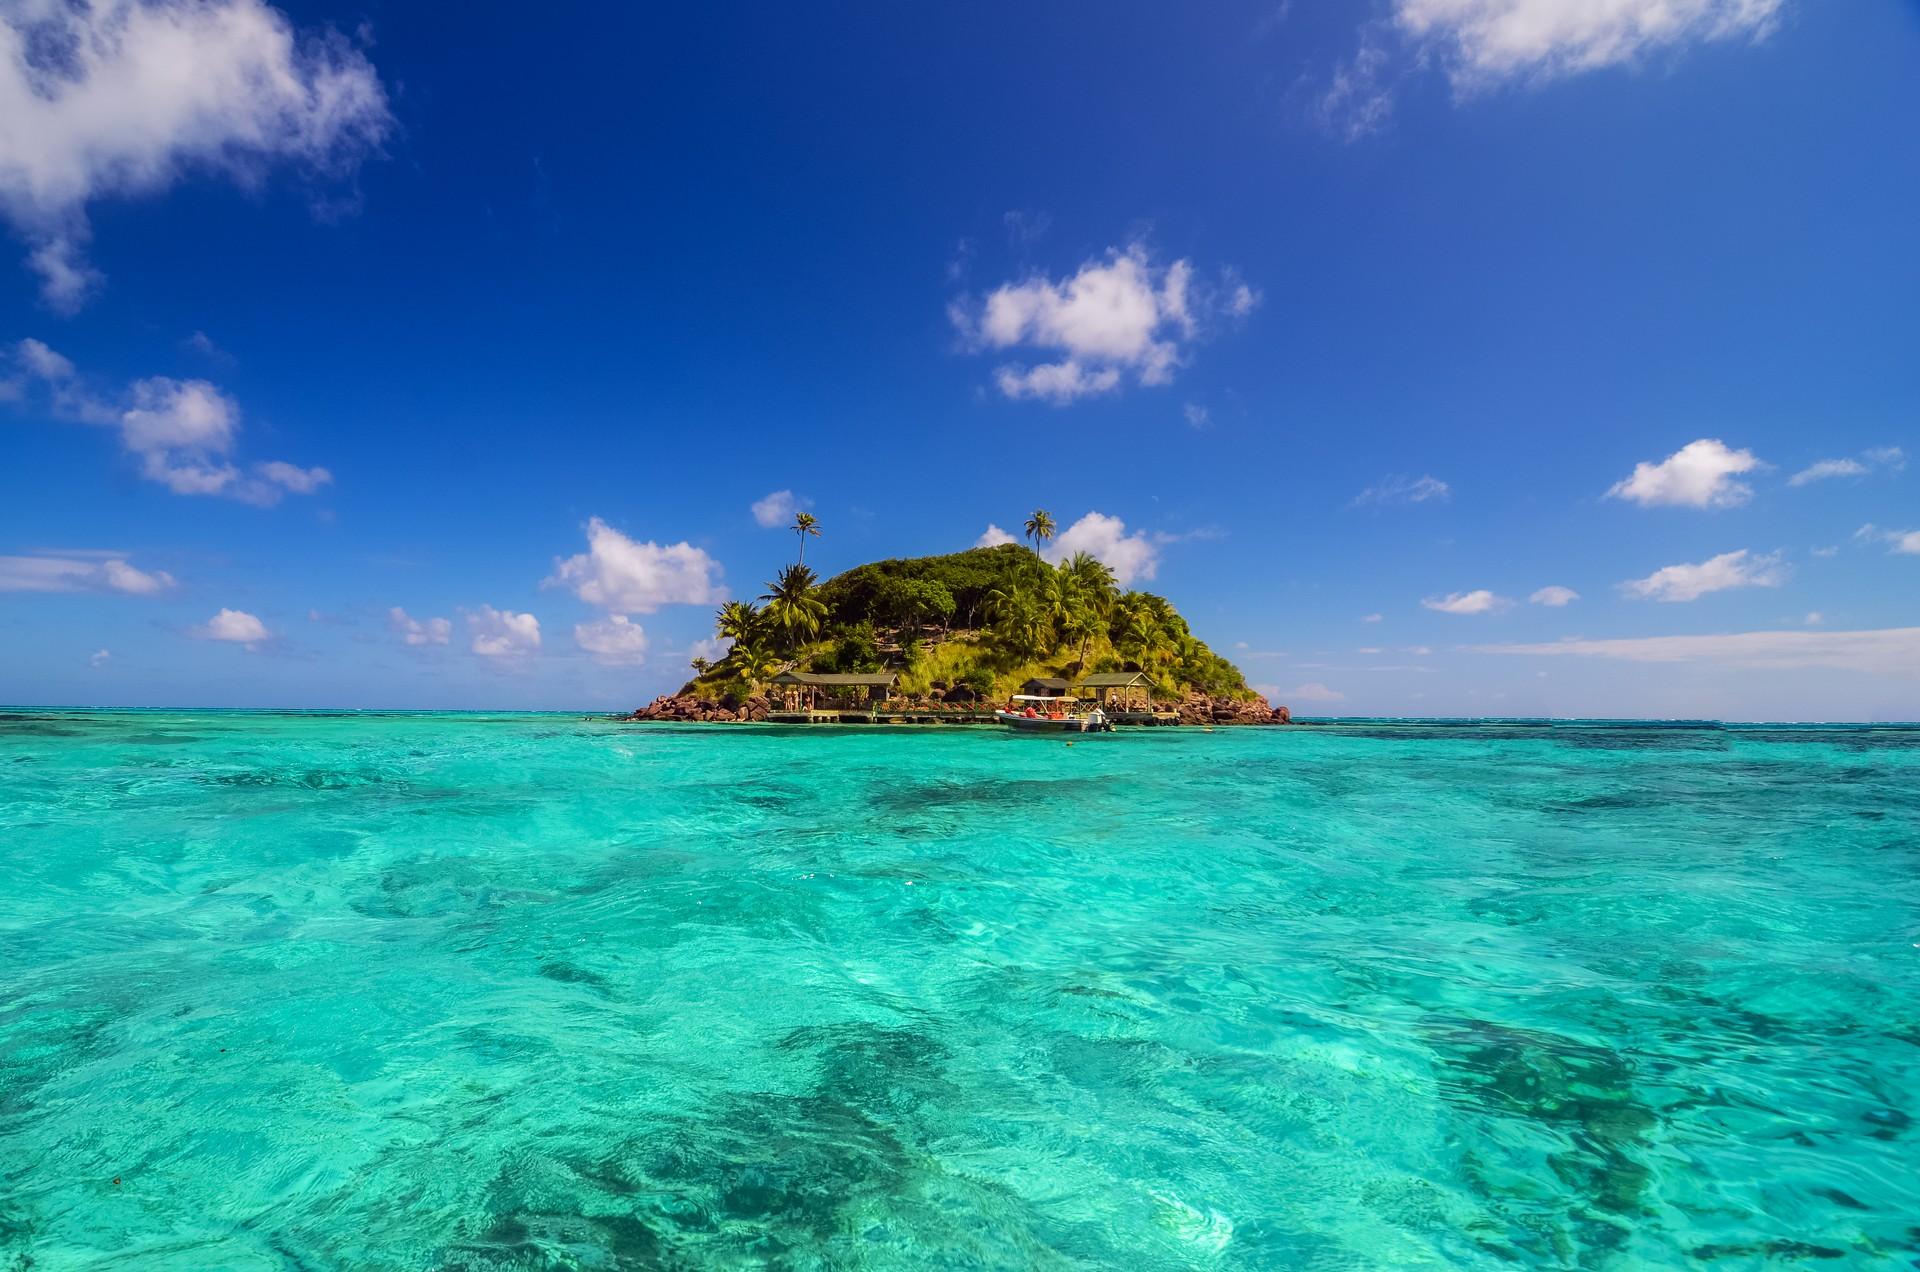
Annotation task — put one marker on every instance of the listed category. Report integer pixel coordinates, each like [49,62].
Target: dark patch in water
[1584,1091]
[39,729]
[1028,793]
[568,974]
[1768,1250]
[871,1065]
[306,779]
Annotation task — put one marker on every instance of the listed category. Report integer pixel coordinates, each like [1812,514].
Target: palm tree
[998,603]
[804,524]
[792,607]
[1039,527]
[1024,625]
[737,621]
[1095,577]
[756,661]
[1080,624]
[1060,594]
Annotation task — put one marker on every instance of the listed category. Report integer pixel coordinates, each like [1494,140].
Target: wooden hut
[1046,687]
[811,691]
[1122,691]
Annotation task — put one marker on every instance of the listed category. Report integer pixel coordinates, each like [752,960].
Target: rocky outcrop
[1198,708]
[691,708]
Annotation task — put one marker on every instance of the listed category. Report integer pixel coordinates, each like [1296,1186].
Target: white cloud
[502,633]
[1119,315]
[1129,556]
[183,432]
[419,631]
[122,97]
[777,509]
[1698,475]
[1313,691]
[1891,651]
[993,537]
[1814,618]
[1357,101]
[1826,468]
[613,640]
[1905,542]
[1555,596]
[1056,382]
[100,658]
[1373,618]
[1717,574]
[1480,601]
[236,626]
[1401,489]
[72,571]
[1484,41]
[1240,297]
[301,481]
[1888,457]
[1197,416]
[44,362]
[626,577]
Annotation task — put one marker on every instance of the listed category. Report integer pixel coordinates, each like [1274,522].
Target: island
[942,639]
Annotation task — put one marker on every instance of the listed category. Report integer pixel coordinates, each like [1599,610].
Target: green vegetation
[989,618]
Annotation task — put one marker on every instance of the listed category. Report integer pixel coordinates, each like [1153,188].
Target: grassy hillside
[989,618]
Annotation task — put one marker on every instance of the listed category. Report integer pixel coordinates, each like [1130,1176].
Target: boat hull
[1053,724]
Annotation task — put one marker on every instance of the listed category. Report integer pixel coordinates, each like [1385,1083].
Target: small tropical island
[942,639]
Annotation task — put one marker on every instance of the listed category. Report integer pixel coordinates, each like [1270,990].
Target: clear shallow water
[465,992]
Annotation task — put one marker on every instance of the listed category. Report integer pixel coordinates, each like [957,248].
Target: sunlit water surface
[466,992]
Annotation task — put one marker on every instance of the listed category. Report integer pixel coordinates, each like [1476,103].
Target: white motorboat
[1035,713]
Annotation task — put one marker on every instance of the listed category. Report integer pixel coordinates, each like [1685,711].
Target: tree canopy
[986,617]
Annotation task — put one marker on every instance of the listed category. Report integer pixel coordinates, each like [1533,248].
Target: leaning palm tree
[804,524]
[1039,527]
[793,609]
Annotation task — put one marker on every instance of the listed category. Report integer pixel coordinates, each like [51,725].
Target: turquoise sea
[286,991]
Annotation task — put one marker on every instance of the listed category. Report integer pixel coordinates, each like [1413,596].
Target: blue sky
[1347,328]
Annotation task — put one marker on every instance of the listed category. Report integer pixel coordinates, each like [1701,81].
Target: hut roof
[1048,682]
[821,679]
[1116,680]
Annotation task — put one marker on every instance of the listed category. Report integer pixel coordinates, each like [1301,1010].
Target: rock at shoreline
[689,709]
[1198,708]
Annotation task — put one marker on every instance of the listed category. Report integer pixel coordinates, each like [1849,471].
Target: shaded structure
[836,692]
[1127,696]
[1046,687]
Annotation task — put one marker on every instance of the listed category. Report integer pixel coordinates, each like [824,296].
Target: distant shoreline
[22,711]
